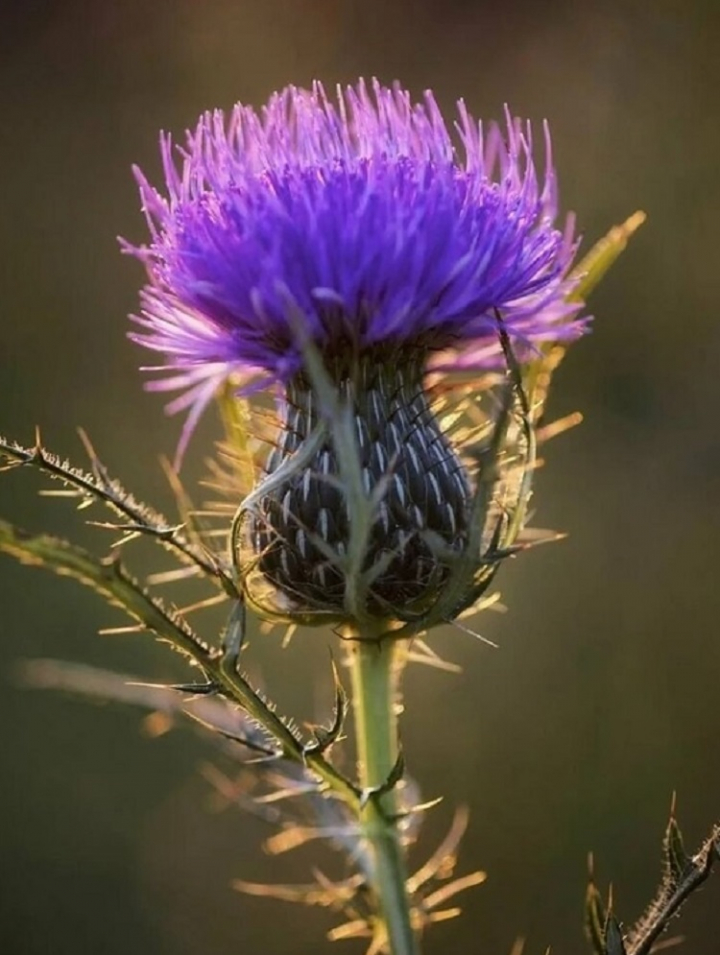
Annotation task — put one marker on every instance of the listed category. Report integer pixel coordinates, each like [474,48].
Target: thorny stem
[220,667]
[375,666]
[139,518]
[226,673]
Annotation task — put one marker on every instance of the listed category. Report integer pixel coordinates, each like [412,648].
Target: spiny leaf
[614,942]
[327,737]
[671,895]
[323,892]
[675,859]
[98,486]
[235,417]
[595,914]
[589,271]
[108,577]
[593,266]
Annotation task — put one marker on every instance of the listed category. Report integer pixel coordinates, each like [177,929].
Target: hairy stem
[375,667]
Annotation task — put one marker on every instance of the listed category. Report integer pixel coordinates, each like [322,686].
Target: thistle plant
[376,303]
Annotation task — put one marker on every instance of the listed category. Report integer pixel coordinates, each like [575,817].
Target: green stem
[375,667]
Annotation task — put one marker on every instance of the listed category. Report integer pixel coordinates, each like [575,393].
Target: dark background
[603,697]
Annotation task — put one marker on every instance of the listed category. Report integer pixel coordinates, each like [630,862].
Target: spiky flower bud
[400,443]
[396,251]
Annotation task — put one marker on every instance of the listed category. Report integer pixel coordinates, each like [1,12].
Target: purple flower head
[359,214]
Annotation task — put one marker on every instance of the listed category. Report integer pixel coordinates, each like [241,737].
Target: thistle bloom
[358,218]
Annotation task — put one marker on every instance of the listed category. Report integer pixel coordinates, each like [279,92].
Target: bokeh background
[603,697]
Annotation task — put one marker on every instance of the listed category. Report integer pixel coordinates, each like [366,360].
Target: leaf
[590,270]
[672,893]
[593,266]
[138,518]
[235,416]
[595,914]
[106,576]
[676,861]
[325,737]
[614,942]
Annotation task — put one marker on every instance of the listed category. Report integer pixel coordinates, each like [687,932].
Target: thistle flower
[355,227]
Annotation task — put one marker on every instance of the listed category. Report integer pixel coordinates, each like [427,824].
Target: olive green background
[603,696]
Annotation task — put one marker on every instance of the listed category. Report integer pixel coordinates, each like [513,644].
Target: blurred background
[603,697]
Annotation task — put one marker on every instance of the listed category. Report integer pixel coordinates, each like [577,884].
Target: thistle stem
[375,666]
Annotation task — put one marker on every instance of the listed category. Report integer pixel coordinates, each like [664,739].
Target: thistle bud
[401,451]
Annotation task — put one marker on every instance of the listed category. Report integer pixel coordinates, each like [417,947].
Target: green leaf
[106,576]
[237,425]
[589,271]
[593,266]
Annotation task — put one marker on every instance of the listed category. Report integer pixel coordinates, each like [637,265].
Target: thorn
[415,809]
[473,633]
[195,689]
[114,631]
[393,778]
[272,757]
[171,576]
[441,863]
[452,888]
[203,604]
[264,751]
[98,468]
[128,538]
[290,632]
[325,738]
[421,652]
[496,554]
